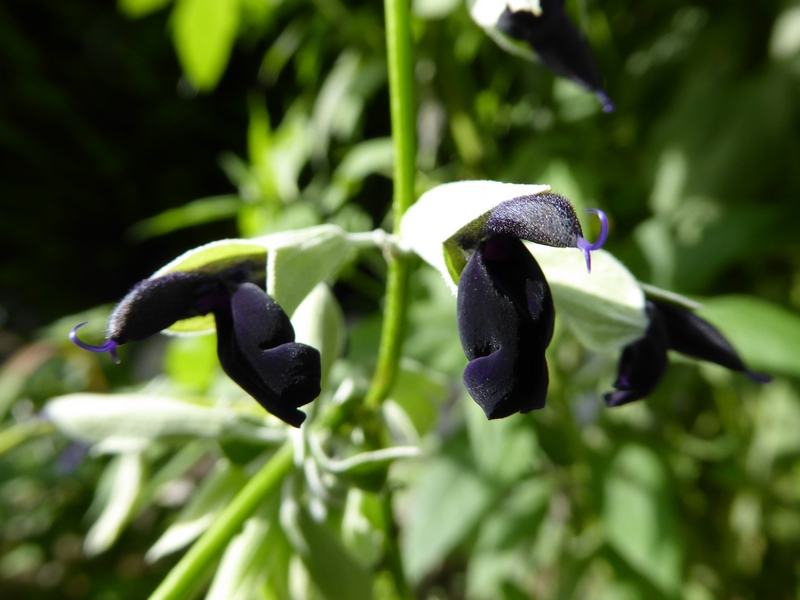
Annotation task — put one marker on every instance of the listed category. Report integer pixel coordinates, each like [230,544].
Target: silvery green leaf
[216,492]
[295,262]
[136,419]
[442,211]
[604,308]
[298,260]
[124,480]
[319,322]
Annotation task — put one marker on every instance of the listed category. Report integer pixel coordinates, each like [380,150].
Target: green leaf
[777,421]
[639,517]
[198,212]
[319,322]
[192,361]
[298,260]
[604,308]
[334,571]
[767,336]
[503,450]
[124,480]
[140,8]
[419,392]
[434,527]
[203,33]
[215,493]
[124,422]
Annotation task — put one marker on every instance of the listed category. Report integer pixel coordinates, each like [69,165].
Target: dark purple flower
[255,339]
[505,310]
[672,327]
[558,44]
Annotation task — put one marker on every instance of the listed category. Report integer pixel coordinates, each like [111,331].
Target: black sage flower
[505,309]
[255,339]
[672,327]
[558,44]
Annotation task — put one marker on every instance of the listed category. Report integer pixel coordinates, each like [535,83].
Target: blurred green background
[134,132]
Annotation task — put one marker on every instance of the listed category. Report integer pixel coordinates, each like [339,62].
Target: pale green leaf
[125,421]
[298,260]
[125,473]
[604,308]
[204,32]
[434,527]
[766,336]
[639,517]
[319,322]
[214,494]
[192,361]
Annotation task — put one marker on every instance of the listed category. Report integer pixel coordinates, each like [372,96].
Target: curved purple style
[110,346]
[584,244]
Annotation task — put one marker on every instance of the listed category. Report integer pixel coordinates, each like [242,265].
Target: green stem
[181,579]
[403,111]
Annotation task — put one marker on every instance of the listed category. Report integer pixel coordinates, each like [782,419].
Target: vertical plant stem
[403,111]
[181,579]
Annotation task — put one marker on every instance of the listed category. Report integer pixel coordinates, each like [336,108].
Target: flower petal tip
[758,377]
[586,247]
[608,105]
[109,346]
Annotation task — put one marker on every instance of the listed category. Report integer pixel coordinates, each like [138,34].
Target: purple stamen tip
[109,346]
[585,246]
[608,105]
[758,377]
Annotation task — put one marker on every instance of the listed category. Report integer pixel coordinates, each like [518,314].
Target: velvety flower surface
[672,327]
[558,44]
[255,339]
[505,309]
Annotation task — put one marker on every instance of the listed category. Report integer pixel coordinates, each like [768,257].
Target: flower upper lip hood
[546,28]
[255,339]
[505,308]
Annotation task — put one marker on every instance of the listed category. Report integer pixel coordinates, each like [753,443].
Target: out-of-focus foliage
[693,493]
